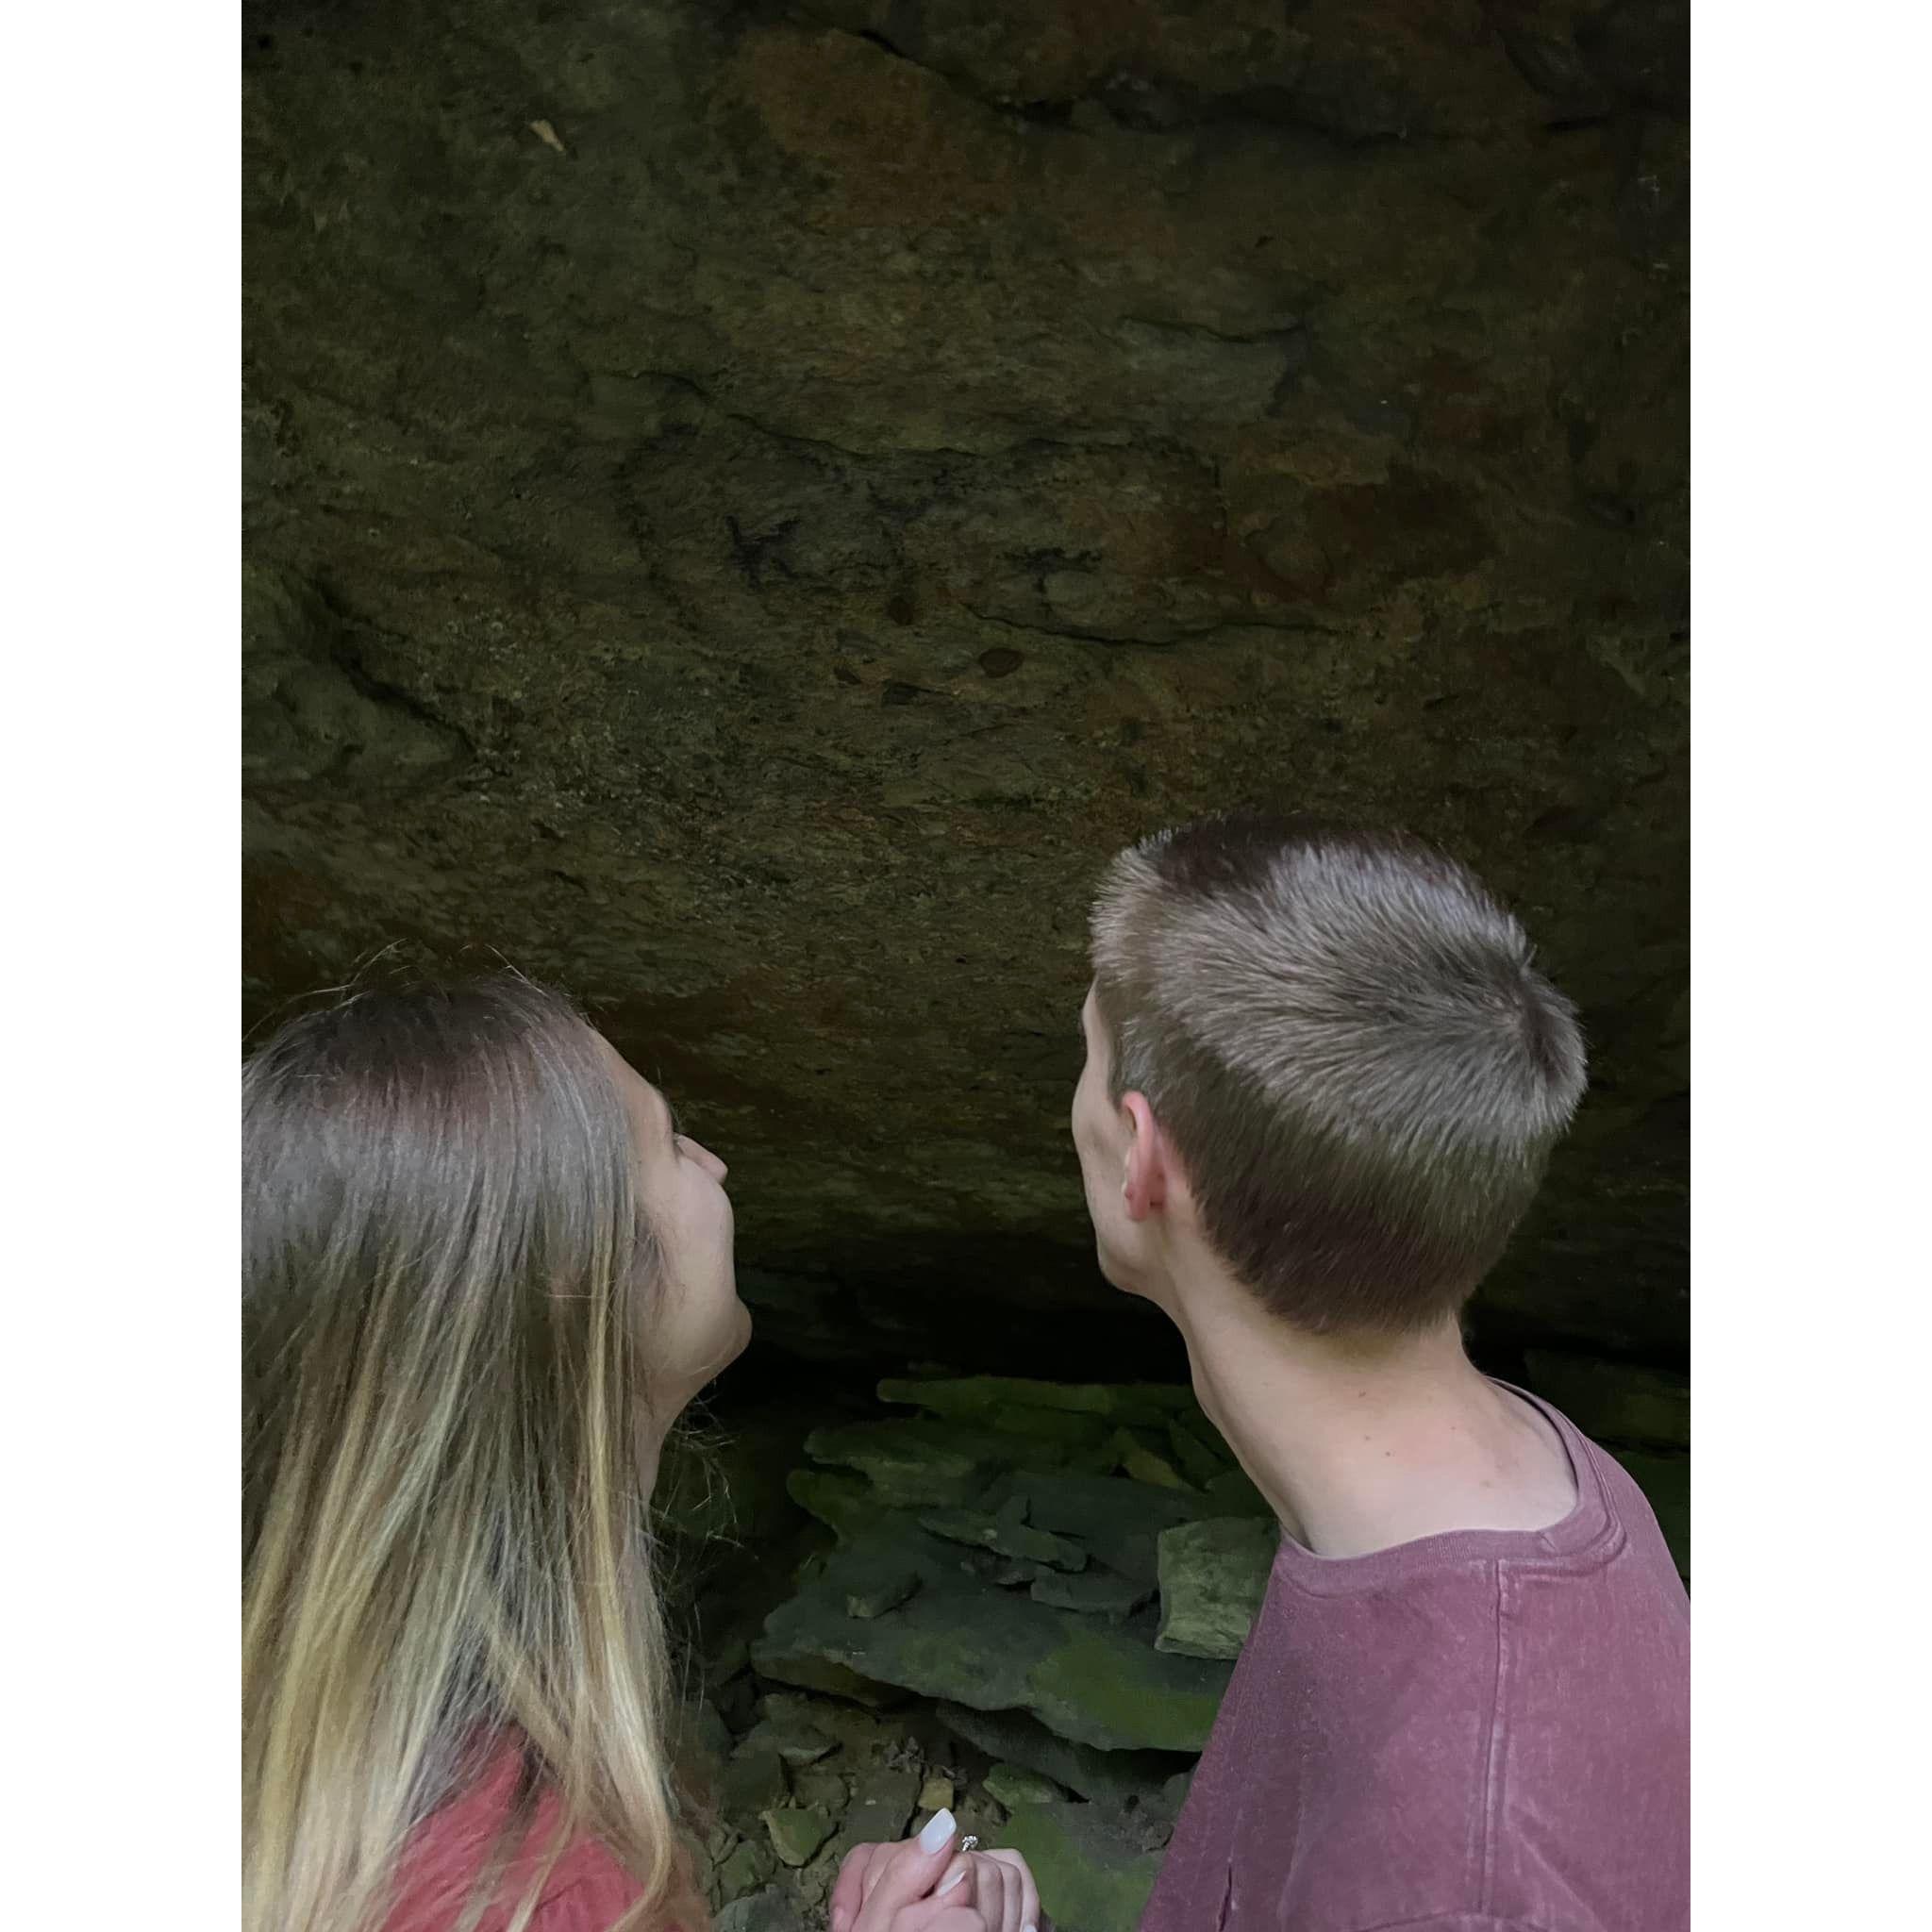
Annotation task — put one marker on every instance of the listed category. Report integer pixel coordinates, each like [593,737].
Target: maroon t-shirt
[1482,1730]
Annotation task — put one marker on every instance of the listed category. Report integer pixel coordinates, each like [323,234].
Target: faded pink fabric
[1477,1731]
[587,1890]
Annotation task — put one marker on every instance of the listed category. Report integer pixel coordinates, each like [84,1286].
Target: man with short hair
[1322,1080]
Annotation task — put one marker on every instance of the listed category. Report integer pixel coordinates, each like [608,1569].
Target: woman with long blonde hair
[483,1273]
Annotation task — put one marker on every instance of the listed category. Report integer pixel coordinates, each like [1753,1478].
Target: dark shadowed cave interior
[747,507]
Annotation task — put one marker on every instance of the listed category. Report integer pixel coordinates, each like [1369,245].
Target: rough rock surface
[1092,1672]
[747,507]
[1213,1575]
[1614,1402]
[1087,1859]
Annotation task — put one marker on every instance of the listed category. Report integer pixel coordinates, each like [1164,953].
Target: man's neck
[1361,1447]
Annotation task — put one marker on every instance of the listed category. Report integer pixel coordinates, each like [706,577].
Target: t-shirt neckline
[1583,1537]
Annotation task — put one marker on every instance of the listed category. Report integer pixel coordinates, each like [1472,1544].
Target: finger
[961,1867]
[1001,1895]
[937,1915]
[974,1879]
[1029,1892]
[881,1864]
[848,1895]
[912,1869]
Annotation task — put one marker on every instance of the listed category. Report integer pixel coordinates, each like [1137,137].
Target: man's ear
[1143,1181]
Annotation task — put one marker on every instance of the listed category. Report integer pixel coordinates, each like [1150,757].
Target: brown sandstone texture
[747,506]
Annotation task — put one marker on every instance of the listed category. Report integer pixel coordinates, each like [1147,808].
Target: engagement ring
[969,1843]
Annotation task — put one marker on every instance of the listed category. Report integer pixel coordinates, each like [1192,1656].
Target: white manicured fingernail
[938,1829]
[952,1881]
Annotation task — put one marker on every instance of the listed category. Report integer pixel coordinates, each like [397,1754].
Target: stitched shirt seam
[1492,1769]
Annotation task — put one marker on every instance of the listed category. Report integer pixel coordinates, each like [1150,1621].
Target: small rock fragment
[912,1463]
[708,1730]
[753,1783]
[820,1787]
[874,1599]
[1213,1575]
[797,1831]
[1233,1494]
[796,1741]
[1198,1460]
[764,1912]
[745,1870]
[1006,1537]
[1099,1592]
[1012,1785]
[1147,1461]
[882,1801]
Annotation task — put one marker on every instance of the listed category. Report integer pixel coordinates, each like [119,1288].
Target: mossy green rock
[878,1598]
[847,1504]
[960,1640]
[913,1462]
[1200,1454]
[704,1732]
[793,1742]
[1118,1520]
[863,1740]
[882,1802]
[763,1911]
[1615,1402]
[807,1672]
[752,1783]
[1102,1685]
[987,1398]
[1094,1592]
[1005,1535]
[1016,1738]
[1213,1576]
[1231,1493]
[1014,1785]
[822,1786]
[797,1831]
[1091,1875]
[1067,1431]
[745,1868]
[1147,1459]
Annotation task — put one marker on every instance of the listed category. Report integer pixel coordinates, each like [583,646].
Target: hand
[892,1888]
[1001,1889]
[995,1886]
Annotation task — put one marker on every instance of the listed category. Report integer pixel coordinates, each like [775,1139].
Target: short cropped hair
[1345,1040]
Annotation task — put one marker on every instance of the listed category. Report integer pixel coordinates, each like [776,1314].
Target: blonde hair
[446,1297]
[1345,1038]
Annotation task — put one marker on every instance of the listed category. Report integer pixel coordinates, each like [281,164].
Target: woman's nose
[707,1159]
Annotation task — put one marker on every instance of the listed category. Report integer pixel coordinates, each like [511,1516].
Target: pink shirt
[587,1890]
[1477,1731]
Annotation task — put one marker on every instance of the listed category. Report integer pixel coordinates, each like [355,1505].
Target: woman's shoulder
[586,1890]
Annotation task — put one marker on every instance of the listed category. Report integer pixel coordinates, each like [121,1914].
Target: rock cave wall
[749,505]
